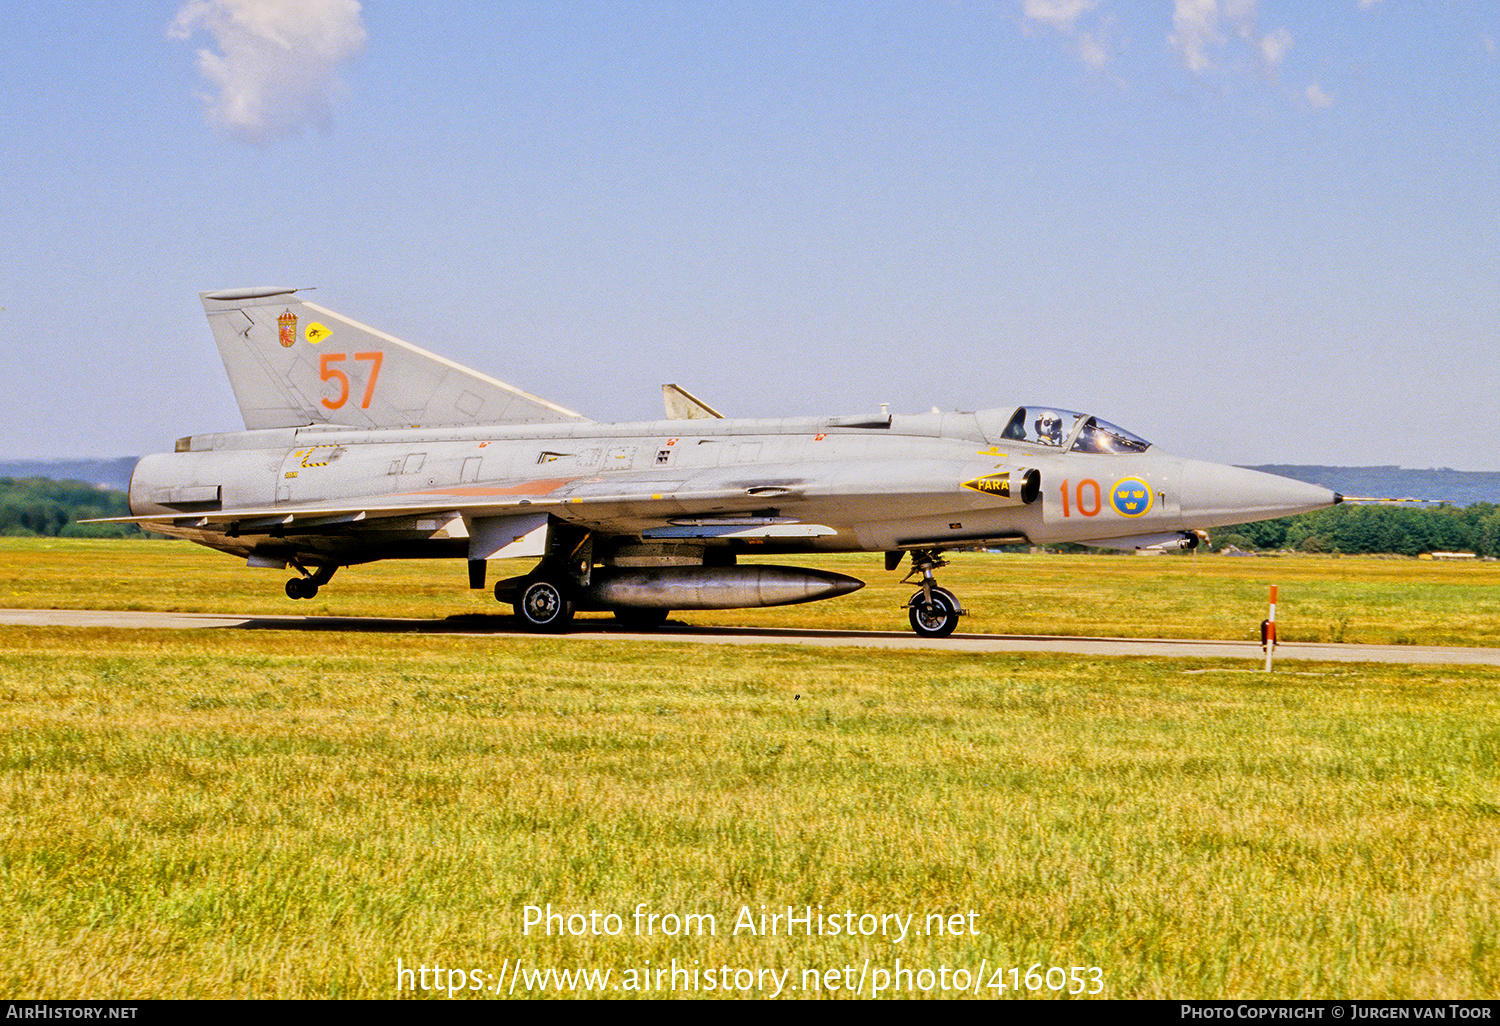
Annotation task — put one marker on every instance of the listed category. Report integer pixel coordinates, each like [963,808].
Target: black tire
[296,589]
[642,619]
[543,605]
[940,619]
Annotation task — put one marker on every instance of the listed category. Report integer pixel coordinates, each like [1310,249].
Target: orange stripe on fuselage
[542,487]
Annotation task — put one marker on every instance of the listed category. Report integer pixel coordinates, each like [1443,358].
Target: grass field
[288,814]
[1351,599]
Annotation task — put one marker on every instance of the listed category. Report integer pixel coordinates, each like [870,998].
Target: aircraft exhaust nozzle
[1031,485]
[716,587]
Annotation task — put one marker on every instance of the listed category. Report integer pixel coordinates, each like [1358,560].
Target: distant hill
[107,473]
[1460,487]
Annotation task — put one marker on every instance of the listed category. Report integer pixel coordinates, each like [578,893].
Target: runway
[595,630]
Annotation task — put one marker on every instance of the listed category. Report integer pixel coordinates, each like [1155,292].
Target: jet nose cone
[1214,495]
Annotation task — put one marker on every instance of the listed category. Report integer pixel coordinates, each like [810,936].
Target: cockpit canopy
[1047,425]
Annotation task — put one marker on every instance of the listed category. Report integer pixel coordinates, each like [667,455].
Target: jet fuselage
[874,483]
[361,446]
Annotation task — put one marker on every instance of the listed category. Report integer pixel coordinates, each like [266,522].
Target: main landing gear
[934,611]
[546,598]
[306,586]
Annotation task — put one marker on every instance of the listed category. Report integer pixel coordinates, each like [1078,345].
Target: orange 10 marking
[328,372]
[1087,497]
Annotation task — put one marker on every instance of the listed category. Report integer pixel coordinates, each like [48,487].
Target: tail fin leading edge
[292,363]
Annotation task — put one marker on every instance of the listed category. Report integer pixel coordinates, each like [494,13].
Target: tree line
[31,506]
[1355,529]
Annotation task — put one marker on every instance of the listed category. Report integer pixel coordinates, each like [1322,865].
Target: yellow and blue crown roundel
[1131,497]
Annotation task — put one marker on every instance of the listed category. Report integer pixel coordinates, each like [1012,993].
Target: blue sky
[1249,231]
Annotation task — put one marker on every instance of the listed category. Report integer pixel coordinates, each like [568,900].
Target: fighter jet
[359,447]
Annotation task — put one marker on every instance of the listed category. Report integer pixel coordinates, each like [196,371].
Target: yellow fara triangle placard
[991,484]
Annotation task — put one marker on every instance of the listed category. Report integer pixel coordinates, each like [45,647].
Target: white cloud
[1274,45]
[1064,16]
[1201,28]
[1092,50]
[275,69]
[1060,14]
[1196,28]
[1240,15]
[1212,38]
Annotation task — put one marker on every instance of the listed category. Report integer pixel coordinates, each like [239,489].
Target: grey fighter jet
[359,446]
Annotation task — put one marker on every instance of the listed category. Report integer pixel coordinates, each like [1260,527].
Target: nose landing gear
[934,611]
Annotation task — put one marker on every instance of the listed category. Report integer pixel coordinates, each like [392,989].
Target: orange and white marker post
[1268,638]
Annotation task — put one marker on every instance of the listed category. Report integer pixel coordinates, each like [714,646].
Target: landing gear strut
[308,584]
[934,611]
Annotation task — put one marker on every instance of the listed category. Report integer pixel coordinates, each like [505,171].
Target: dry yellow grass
[268,814]
[1353,599]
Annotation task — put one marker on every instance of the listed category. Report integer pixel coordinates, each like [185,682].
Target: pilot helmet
[1048,424]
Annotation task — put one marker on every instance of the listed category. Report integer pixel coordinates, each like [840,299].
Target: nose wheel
[933,611]
[935,616]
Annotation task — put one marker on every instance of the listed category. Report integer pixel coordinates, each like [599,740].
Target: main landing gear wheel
[544,606]
[308,584]
[641,619]
[935,619]
[300,588]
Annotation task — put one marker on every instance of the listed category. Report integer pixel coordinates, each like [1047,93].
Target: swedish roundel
[1131,497]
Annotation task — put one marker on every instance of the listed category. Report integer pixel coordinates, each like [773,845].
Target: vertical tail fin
[291,362]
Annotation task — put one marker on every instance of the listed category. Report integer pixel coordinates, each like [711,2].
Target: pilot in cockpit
[1049,428]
